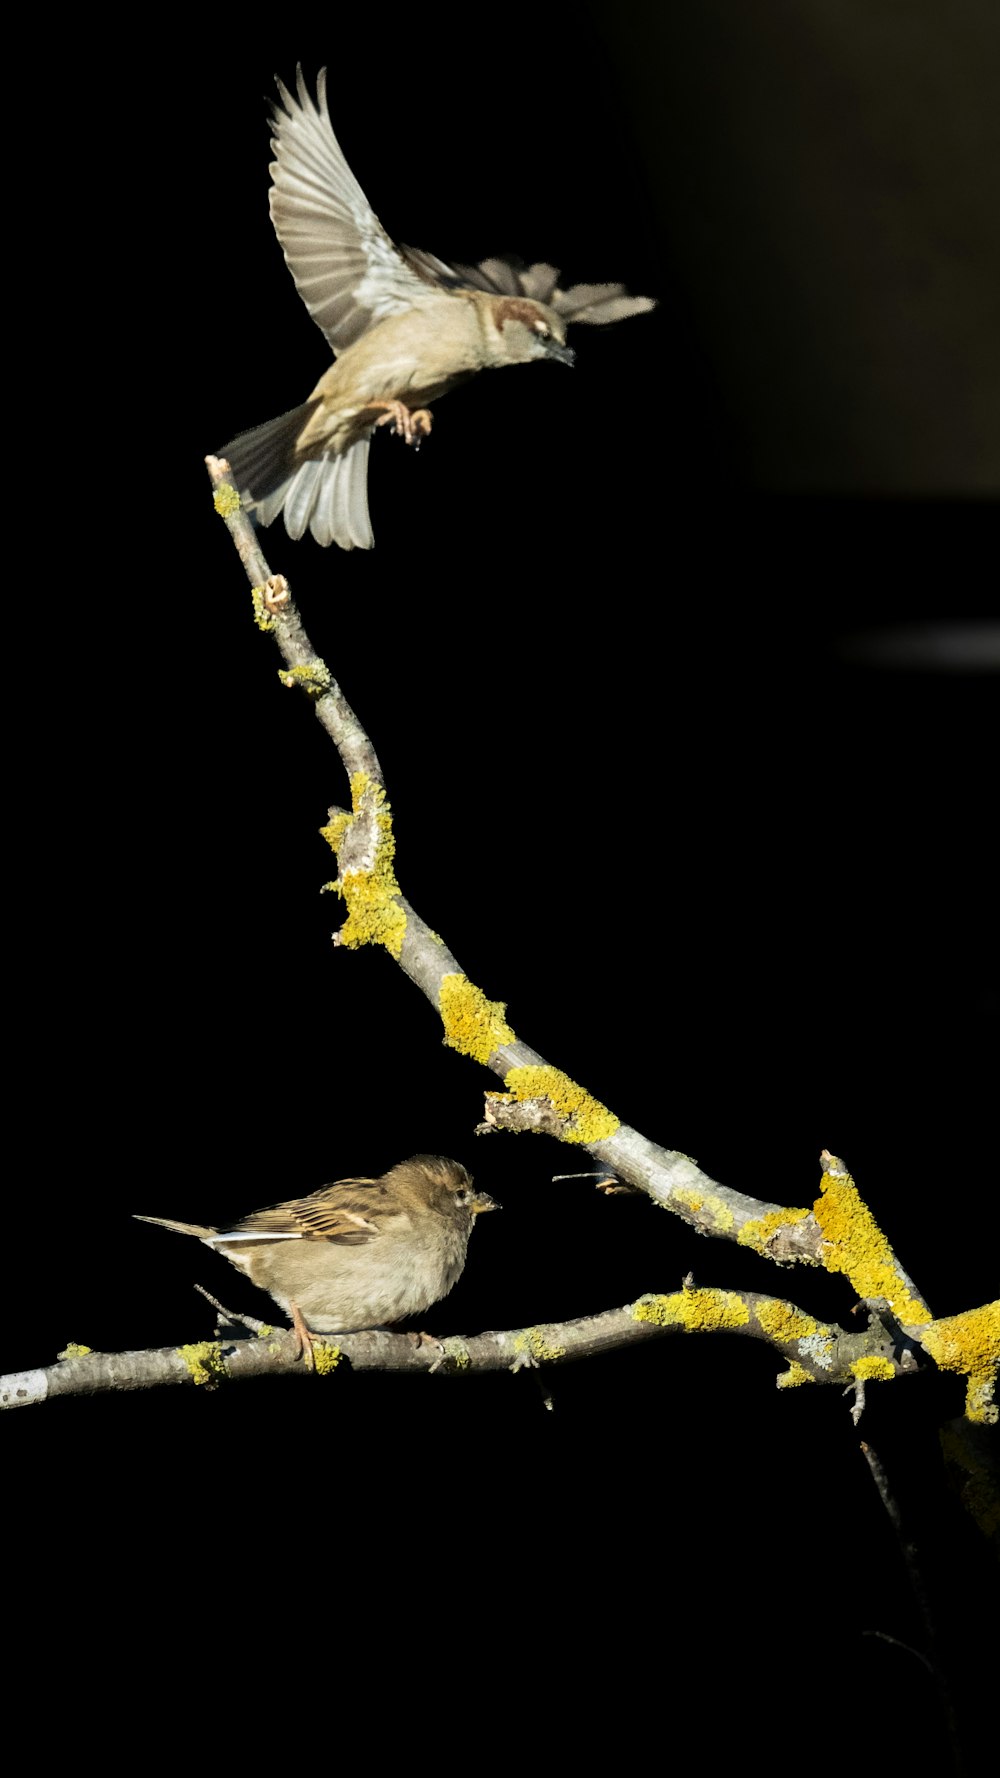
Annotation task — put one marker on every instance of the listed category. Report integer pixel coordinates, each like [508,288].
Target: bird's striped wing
[347,271]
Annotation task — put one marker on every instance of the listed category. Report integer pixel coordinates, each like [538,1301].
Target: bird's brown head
[443,1186]
[521,329]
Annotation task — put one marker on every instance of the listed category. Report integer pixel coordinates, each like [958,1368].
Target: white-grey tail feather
[327,496]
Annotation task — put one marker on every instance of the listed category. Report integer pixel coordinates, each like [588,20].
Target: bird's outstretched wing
[595,304]
[347,271]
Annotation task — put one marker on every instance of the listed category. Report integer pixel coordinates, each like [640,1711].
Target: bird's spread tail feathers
[325,495]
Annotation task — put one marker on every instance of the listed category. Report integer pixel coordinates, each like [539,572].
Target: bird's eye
[461,1197]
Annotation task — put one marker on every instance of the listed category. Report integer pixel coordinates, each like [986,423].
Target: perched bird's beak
[482,1201]
[565,354]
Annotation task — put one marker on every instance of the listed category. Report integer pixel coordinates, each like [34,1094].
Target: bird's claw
[413,426]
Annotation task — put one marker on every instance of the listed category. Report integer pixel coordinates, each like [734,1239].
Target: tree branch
[815,1352]
[838,1232]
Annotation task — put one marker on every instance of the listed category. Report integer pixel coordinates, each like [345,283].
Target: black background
[663,775]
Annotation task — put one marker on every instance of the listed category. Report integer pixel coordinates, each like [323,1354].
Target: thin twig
[907,1549]
[231,1316]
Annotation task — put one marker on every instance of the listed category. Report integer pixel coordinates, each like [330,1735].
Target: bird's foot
[305,1338]
[411,426]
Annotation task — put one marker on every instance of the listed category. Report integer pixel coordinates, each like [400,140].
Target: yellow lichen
[261,616]
[458,1354]
[856,1246]
[871,1369]
[325,1357]
[313,676]
[226,501]
[74,1350]
[700,1311]
[761,1229]
[473,1025]
[264,1331]
[334,831]
[205,1362]
[786,1325]
[969,1343]
[707,1206]
[684,1194]
[793,1377]
[532,1340]
[371,894]
[782,1321]
[587,1119]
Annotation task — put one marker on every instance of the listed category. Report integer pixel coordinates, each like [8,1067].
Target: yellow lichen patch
[458,1355]
[226,501]
[473,1025]
[371,895]
[782,1321]
[73,1350]
[707,1206]
[533,1340]
[760,1229]
[313,676]
[374,916]
[261,616]
[205,1362]
[700,1311]
[588,1119]
[969,1343]
[786,1325]
[685,1195]
[334,831]
[264,1331]
[325,1357]
[871,1369]
[792,1378]
[856,1246]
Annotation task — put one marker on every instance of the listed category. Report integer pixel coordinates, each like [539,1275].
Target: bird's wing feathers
[595,304]
[347,271]
[339,1213]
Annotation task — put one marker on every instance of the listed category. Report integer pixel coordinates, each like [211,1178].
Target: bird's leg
[411,426]
[303,1336]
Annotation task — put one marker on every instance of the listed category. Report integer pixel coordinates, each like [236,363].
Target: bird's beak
[482,1201]
[565,354]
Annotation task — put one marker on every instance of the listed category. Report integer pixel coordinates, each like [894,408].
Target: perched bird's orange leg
[411,426]
[303,1336]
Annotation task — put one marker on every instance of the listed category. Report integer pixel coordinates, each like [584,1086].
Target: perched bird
[404,327]
[358,1253]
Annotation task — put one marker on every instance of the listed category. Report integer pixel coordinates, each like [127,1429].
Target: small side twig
[232,1317]
[915,1577]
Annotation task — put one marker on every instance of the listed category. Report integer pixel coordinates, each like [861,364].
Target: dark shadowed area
[680,665]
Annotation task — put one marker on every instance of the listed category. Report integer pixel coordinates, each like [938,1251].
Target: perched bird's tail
[180,1228]
[325,495]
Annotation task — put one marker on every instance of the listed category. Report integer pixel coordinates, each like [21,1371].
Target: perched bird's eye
[462,1197]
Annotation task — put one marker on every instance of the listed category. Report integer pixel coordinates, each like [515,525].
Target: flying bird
[404,327]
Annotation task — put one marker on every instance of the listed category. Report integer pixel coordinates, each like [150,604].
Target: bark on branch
[814,1352]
